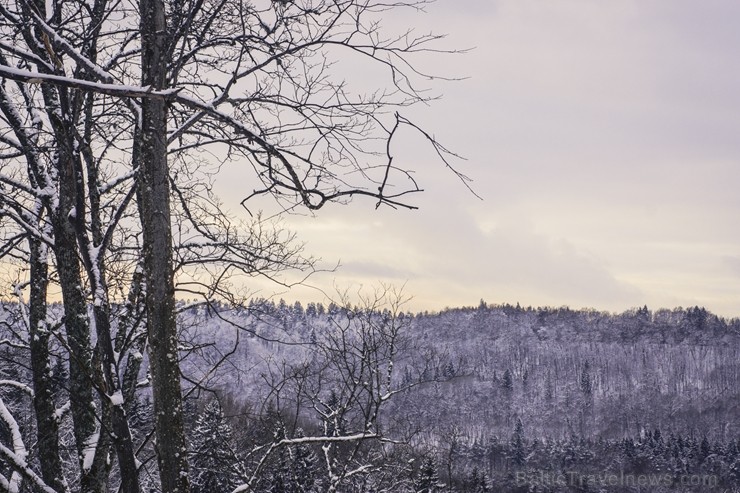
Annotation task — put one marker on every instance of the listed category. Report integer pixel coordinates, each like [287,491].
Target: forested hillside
[491,398]
[506,387]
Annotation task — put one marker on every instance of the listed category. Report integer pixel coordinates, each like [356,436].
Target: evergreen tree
[334,421]
[704,449]
[140,416]
[507,382]
[304,468]
[477,482]
[517,449]
[278,477]
[586,386]
[213,457]
[59,379]
[427,481]
[549,390]
[311,310]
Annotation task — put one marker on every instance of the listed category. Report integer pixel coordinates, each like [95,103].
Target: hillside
[487,398]
[584,380]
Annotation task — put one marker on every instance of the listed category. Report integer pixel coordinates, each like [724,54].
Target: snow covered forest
[373,398]
[490,391]
[116,118]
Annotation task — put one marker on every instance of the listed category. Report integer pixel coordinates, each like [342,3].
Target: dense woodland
[492,398]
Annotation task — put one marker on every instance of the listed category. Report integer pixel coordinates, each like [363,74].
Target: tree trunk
[77,326]
[47,430]
[96,273]
[119,422]
[154,209]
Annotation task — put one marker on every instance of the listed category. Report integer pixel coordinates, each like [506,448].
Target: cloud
[448,257]
[512,262]
[375,270]
[603,137]
[732,264]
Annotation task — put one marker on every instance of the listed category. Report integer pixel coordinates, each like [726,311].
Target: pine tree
[517,451]
[507,382]
[483,484]
[477,482]
[304,468]
[278,477]
[141,416]
[704,449]
[427,481]
[549,390]
[448,371]
[59,379]
[586,386]
[334,421]
[213,459]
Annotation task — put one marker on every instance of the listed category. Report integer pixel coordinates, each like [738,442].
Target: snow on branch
[117,90]
[19,448]
[21,467]
[298,441]
[60,412]
[18,385]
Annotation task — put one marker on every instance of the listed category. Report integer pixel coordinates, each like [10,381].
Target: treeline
[691,325]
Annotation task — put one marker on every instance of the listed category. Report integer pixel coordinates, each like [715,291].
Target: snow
[60,412]
[106,187]
[99,295]
[12,383]
[117,398]
[91,446]
[104,88]
[18,292]
[20,464]
[19,447]
[25,222]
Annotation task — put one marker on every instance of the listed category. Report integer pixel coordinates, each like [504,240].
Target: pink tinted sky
[603,139]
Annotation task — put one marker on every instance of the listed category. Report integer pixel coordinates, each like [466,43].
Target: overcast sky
[604,139]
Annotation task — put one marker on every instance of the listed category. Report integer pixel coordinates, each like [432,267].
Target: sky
[602,138]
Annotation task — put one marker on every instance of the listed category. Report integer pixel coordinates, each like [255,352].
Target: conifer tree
[586,386]
[427,481]
[140,416]
[305,473]
[507,382]
[549,390]
[477,483]
[213,457]
[295,470]
[517,451]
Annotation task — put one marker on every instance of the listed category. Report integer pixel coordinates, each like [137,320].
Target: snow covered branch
[117,90]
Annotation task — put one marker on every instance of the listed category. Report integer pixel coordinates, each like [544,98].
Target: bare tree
[335,396]
[153,82]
